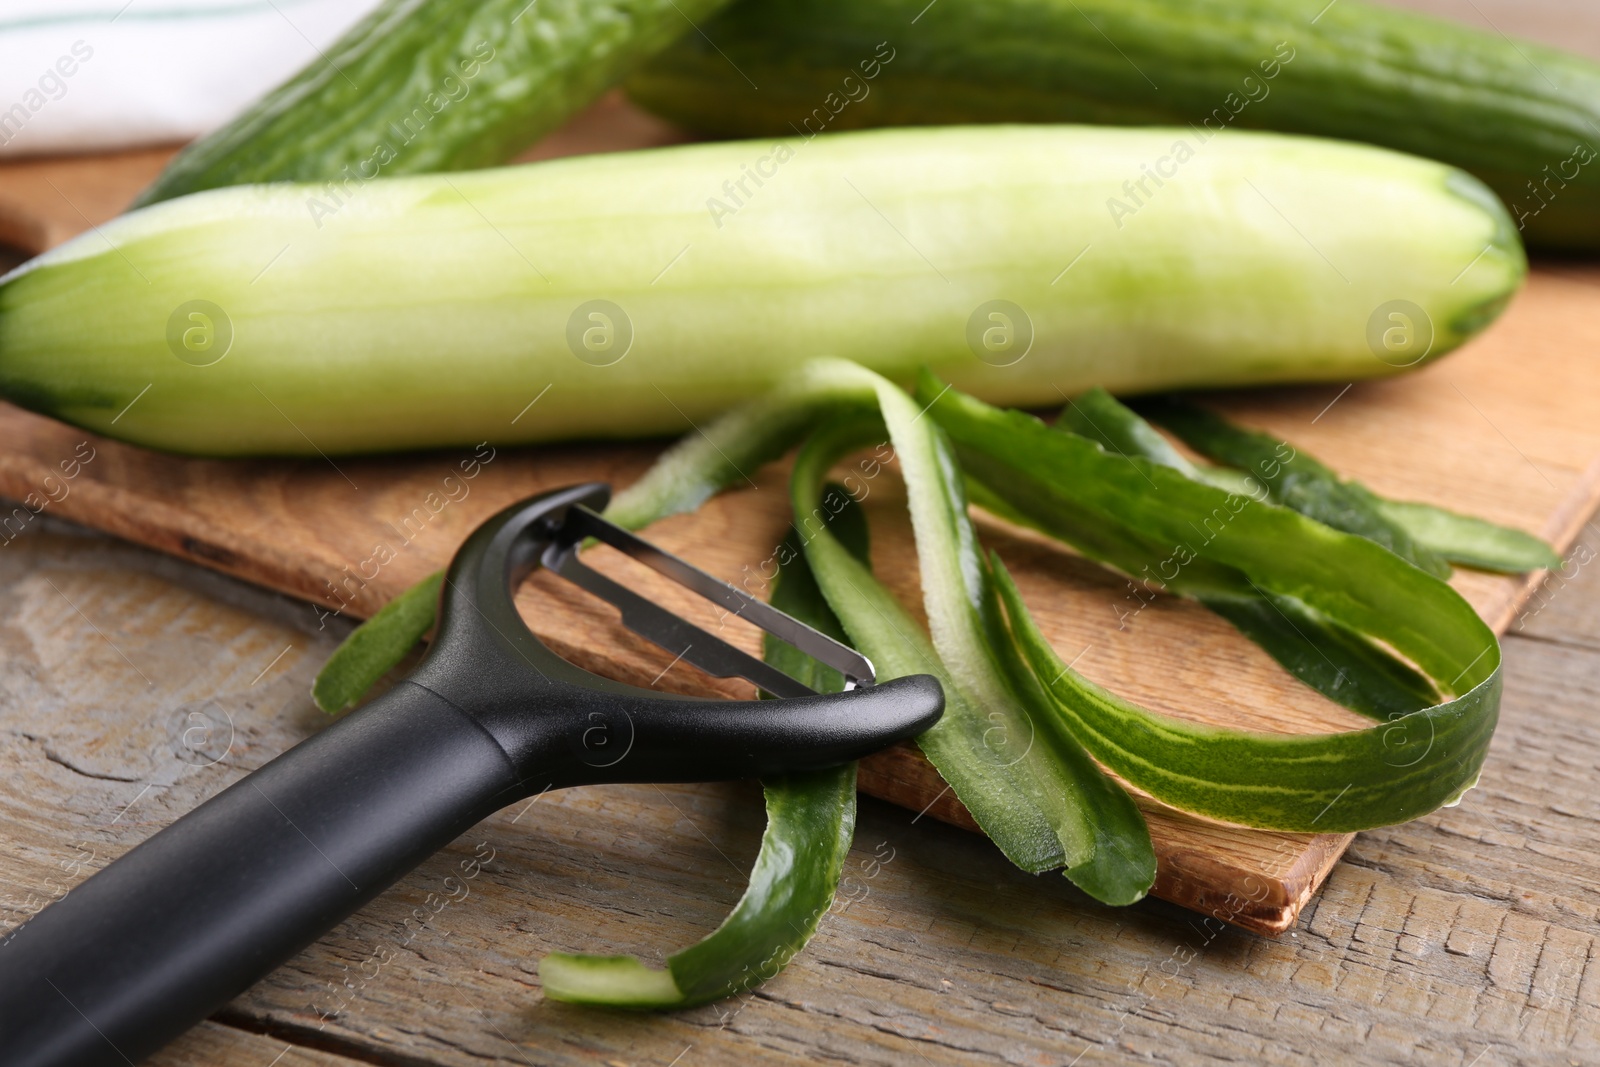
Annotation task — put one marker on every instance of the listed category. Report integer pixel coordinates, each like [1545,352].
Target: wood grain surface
[134,685]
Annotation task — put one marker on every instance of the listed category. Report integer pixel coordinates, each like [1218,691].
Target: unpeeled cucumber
[420,86]
[1524,118]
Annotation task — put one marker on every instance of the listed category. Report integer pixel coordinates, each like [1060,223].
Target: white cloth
[89,75]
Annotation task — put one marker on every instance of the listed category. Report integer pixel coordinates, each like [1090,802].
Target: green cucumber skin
[430,311]
[1504,111]
[421,86]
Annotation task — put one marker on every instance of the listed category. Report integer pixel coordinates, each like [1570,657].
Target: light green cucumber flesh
[1524,118]
[446,310]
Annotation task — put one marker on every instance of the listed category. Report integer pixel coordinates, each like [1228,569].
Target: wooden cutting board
[1509,428]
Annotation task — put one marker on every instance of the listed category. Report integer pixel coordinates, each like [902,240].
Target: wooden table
[1468,933]
[132,686]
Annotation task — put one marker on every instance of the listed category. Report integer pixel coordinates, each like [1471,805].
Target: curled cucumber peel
[1024,736]
[810,824]
[1414,762]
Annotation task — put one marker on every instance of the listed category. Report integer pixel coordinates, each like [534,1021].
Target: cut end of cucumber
[607,981]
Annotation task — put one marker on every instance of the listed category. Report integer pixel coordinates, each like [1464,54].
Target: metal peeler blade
[679,636]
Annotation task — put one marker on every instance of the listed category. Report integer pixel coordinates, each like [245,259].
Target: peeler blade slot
[857,669]
[666,629]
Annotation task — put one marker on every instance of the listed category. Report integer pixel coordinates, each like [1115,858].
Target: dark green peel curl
[1428,536]
[1338,662]
[1029,784]
[810,823]
[1417,761]
[1292,478]
[1022,731]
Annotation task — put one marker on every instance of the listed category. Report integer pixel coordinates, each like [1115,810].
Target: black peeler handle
[166,935]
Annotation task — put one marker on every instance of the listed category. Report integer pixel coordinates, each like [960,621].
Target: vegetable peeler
[171,931]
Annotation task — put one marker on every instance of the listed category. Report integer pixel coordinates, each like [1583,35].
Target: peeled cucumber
[639,293]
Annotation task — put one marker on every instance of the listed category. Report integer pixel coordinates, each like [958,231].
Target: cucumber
[645,291]
[1523,118]
[420,86]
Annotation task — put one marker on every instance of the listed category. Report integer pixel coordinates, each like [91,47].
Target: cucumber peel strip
[1027,783]
[1354,780]
[1428,536]
[1471,541]
[708,461]
[1072,487]
[810,824]
[377,645]
[1334,660]
[1293,479]
[1031,787]
[1325,783]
